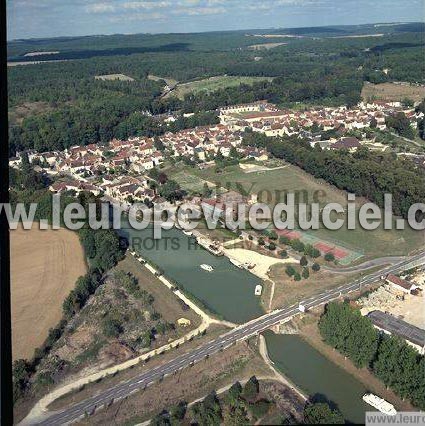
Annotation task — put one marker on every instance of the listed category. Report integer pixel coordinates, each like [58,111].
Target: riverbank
[311,334]
[262,262]
[278,375]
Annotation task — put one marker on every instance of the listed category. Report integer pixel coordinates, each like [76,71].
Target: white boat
[188,233]
[258,290]
[236,262]
[241,265]
[206,267]
[380,404]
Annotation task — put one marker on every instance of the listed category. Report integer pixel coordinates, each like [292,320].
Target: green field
[270,184]
[212,84]
[188,181]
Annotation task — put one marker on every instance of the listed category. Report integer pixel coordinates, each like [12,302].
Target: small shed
[183,322]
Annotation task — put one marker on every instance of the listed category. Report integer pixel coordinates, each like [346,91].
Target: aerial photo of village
[123,117]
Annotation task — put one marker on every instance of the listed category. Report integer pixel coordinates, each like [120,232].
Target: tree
[344,328]
[400,124]
[234,393]
[178,412]
[315,267]
[158,144]
[321,413]
[171,191]
[273,235]
[272,246]
[303,261]
[329,257]
[290,270]
[297,276]
[305,273]
[251,388]
[373,123]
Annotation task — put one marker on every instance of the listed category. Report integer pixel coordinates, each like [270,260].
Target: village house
[399,284]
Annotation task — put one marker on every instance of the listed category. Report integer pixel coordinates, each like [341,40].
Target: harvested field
[393,92]
[44,268]
[212,84]
[111,77]
[265,46]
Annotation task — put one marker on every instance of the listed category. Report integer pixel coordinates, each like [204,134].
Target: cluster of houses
[265,118]
[111,162]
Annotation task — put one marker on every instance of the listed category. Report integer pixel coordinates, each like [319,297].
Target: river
[227,291]
[317,376]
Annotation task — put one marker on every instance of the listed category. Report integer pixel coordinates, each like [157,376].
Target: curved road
[239,333]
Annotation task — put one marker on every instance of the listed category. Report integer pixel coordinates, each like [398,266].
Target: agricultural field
[212,84]
[271,185]
[44,268]
[170,81]
[393,92]
[265,46]
[113,77]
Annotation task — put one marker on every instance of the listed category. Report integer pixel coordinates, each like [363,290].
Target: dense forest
[390,358]
[65,105]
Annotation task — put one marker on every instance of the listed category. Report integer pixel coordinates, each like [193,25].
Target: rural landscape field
[45,266]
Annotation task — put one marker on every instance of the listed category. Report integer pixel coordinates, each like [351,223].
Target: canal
[227,291]
[318,377]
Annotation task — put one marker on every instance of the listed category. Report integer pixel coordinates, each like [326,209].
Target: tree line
[102,249]
[364,173]
[242,405]
[389,357]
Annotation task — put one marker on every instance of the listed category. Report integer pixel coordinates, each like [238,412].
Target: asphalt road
[239,333]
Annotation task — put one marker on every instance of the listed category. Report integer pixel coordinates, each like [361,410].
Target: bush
[321,413]
[297,245]
[290,271]
[272,246]
[261,241]
[305,273]
[303,261]
[112,327]
[297,276]
[260,408]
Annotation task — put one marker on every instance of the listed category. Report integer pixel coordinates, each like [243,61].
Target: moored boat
[206,267]
[380,404]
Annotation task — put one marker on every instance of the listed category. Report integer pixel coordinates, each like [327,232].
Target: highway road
[242,332]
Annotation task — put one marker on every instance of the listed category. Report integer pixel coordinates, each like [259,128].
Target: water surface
[228,290]
[317,376]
